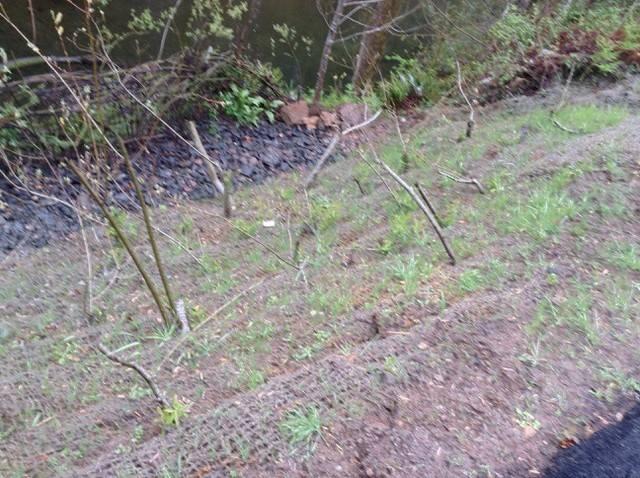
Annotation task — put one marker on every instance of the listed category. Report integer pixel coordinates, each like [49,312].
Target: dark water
[300,14]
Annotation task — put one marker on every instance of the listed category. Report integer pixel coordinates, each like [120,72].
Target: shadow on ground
[612,453]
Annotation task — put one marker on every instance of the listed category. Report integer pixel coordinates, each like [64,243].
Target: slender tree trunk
[241,40]
[32,16]
[326,51]
[373,44]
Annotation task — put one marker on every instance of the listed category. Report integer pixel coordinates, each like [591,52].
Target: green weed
[65,351]
[331,301]
[622,297]
[625,256]
[163,334]
[170,416]
[247,108]
[409,272]
[584,119]
[541,215]
[256,336]
[302,427]
[325,213]
[471,280]
[526,419]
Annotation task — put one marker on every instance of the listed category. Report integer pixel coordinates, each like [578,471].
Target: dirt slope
[380,359]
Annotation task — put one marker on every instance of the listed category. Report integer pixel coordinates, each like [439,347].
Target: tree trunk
[241,40]
[326,51]
[373,44]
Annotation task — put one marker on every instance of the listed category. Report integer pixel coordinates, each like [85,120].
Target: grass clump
[625,255]
[409,272]
[302,427]
[584,119]
[331,301]
[541,215]
[172,415]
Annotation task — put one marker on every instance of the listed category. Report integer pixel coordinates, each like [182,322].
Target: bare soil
[413,367]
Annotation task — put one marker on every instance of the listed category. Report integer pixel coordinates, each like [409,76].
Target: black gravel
[170,171]
[613,452]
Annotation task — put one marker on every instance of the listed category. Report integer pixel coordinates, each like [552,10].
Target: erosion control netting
[213,445]
[245,433]
[88,430]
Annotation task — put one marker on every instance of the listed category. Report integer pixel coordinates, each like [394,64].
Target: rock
[271,157]
[351,114]
[295,113]
[314,109]
[312,122]
[248,160]
[328,119]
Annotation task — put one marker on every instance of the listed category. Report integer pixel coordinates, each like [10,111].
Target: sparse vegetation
[302,427]
[299,357]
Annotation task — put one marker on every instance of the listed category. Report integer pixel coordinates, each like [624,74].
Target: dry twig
[457,179]
[219,310]
[160,396]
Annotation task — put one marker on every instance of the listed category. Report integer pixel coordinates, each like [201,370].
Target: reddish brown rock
[295,113]
[312,122]
[328,119]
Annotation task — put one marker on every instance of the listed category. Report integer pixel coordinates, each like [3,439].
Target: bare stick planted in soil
[420,204]
[149,226]
[123,240]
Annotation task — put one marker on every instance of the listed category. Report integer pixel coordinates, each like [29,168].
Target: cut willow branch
[310,180]
[426,200]
[149,226]
[420,204]
[457,179]
[160,396]
[211,165]
[471,122]
[182,316]
[226,196]
[123,240]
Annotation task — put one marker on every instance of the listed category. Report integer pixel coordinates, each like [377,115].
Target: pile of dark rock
[170,171]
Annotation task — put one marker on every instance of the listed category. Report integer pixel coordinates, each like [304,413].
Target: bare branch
[457,179]
[420,204]
[158,394]
[149,227]
[426,200]
[167,26]
[213,175]
[471,122]
[123,240]
[310,180]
